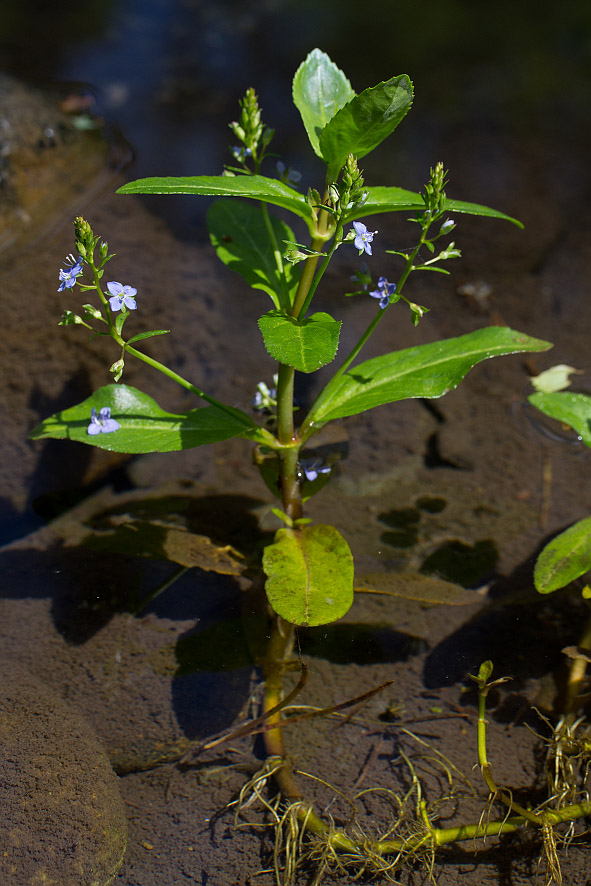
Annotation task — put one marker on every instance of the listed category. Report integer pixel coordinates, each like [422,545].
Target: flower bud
[117,369]
[92,312]
[69,318]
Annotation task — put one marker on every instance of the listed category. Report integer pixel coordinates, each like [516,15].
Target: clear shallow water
[170,76]
[170,72]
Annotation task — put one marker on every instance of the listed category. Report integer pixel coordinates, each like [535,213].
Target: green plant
[308,567]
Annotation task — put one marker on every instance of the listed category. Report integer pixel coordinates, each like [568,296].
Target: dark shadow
[520,631]
[464,564]
[404,523]
[360,644]
[119,565]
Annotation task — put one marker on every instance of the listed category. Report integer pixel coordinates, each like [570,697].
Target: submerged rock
[54,156]
[63,821]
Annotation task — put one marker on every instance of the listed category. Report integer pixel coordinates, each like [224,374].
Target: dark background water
[170,72]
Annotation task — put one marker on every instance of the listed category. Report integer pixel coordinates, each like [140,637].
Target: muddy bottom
[467,488]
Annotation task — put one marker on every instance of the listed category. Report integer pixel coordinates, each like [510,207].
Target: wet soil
[470,474]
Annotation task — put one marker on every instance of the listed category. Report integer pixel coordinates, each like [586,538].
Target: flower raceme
[101,422]
[121,295]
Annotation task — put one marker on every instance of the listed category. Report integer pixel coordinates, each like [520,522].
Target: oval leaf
[320,89]
[257,187]
[145,427]
[565,558]
[309,575]
[304,344]
[365,121]
[429,370]
[389,199]
[238,233]
[573,410]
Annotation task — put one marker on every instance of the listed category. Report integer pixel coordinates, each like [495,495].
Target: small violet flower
[383,292]
[312,467]
[265,398]
[240,153]
[121,295]
[363,237]
[287,174]
[68,276]
[102,422]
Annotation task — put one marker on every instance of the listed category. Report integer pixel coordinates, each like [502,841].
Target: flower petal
[110,425]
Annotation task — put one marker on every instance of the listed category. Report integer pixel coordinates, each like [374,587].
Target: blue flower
[240,153]
[383,292]
[287,174]
[363,237]
[68,276]
[311,467]
[102,422]
[121,295]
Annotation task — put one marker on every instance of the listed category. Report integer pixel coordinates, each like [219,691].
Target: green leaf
[238,233]
[573,410]
[309,575]
[565,558]
[554,379]
[304,344]
[429,370]
[320,89]
[257,187]
[363,123]
[142,335]
[145,427]
[389,199]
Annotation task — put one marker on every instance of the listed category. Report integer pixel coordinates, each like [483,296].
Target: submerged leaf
[309,575]
[414,586]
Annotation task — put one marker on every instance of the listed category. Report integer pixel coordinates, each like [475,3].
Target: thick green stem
[307,278]
[323,234]
[279,650]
